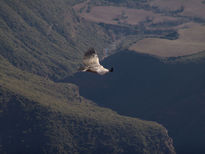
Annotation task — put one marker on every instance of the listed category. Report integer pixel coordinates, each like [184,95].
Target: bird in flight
[91,63]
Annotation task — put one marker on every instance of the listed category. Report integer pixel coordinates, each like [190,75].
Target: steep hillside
[38,115]
[46,37]
[168,91]
[29,127]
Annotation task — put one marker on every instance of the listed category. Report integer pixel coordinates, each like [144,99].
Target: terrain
[156,48]
[42,42]
[41,38]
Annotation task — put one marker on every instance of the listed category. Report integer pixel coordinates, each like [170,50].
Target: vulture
[91,63]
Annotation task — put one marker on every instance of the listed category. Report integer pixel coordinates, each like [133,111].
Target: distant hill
[158,27]
[171,92]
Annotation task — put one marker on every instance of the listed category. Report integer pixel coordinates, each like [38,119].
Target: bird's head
[111,70]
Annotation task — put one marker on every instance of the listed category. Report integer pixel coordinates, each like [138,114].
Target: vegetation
[42,42]
[42,38]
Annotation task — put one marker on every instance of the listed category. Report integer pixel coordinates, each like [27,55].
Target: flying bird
[91,63]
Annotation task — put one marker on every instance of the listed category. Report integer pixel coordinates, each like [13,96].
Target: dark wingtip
[112,69]
[90,51]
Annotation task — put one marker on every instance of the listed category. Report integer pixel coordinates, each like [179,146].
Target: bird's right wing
[91,59]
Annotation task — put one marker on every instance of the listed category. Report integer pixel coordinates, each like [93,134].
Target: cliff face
[29,127]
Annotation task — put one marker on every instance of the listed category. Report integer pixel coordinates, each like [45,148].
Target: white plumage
[92,64]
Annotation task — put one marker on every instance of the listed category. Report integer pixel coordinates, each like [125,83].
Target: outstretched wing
[91,58]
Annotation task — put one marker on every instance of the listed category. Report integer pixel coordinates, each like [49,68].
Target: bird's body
[92,64]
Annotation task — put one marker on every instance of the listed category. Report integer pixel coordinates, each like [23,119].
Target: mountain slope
[45,36]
